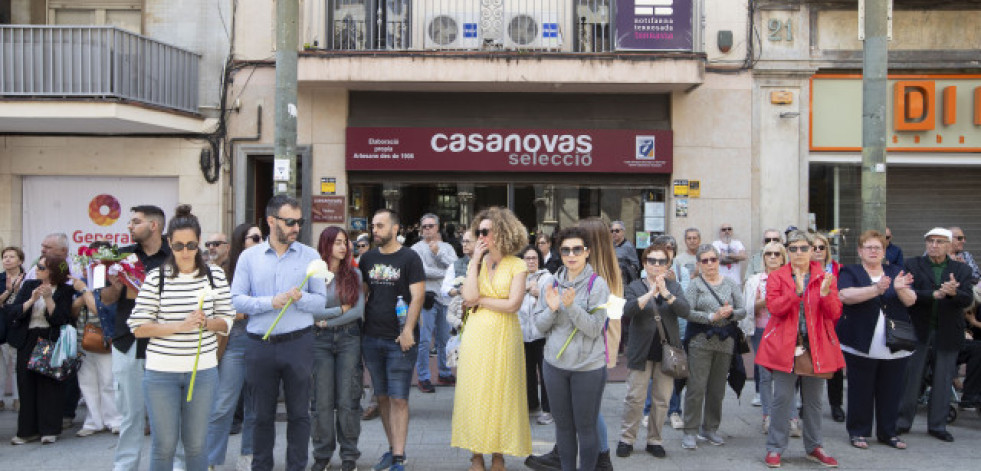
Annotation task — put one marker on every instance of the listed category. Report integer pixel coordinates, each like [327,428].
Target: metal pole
[284,170]
[874,96]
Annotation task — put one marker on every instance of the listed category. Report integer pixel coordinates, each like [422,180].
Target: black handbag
[900,336]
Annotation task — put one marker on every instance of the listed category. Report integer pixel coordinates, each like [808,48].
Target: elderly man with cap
[943,291]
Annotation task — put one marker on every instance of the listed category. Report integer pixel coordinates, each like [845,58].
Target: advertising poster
[654,25]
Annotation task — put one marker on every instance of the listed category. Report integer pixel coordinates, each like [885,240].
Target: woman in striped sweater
[167,312]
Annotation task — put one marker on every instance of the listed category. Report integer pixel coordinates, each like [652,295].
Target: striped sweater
[175,353]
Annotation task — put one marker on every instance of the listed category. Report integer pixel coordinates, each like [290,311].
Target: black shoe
[426,386]
[320,465]
[603,462]
[548,462]
[656,450]
[446,380]
[349,465]
[624,449]
[902,430]
[837,414]
[942,435]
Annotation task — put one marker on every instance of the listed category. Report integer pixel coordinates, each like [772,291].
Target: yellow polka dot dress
[490,408]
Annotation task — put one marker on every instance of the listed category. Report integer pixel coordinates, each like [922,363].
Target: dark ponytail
[183,219]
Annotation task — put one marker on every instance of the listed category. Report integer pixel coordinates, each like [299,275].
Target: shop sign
[87,209]
[327,208]
[924,113]
[509,150]
[654,25]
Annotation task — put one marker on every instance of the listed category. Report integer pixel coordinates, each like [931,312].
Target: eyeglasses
[771,239]
[657,261]
[255,238]
[937,241]
[362,246]
[290,222]
[872,248]
[616,231]
[213,244]
[888,237]
[180,246]
[531,258]
[41,268]
[818,248]
[708,260]
[726,229]
[577,250]
[466,241]
[799,248]
[428,226]
[483,232]
[772,254]
[959,237]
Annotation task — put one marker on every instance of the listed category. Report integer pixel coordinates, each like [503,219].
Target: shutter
[125,14]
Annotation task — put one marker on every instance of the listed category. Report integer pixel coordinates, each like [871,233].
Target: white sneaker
[676,422]
[643,423]
[795,428]
[244,463]
[85,432]
[756,400]
[545,418]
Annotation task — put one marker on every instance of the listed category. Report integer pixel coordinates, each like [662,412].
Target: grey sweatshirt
[334,316]
[435,265]
[587,350]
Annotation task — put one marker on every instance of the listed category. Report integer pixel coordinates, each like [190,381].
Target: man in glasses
[626,253]
[731,253]
[437,256]
[958,253]
[943,291]
[756,262]
[218,246]
[267,279]
[361,247]
[894,254]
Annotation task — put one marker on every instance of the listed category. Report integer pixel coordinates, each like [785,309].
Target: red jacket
[776,350]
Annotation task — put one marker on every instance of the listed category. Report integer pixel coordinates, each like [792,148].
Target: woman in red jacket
[804,307]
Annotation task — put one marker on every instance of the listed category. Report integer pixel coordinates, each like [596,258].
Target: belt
[283,337]
[321,326]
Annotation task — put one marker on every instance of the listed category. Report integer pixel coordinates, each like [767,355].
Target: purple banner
[654,25]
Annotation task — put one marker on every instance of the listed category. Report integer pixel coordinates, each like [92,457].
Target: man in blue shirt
[266,278]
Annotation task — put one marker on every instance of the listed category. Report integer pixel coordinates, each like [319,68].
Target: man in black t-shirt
[390,350]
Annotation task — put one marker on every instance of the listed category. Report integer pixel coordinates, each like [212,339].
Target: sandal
[894,442]
[477,463]
[859,442]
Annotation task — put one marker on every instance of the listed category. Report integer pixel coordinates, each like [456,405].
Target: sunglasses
[482,232]
[290,222]
[41,268]
[428,226]
[655,261]
[616,231]
[362,245]
[959,237]
[820,247]
[772,254]
[577,250]
[889,237]
[727,229]
[214,244]
[708,260]
[180,246]
[799,248]
[771,239]
[255,238]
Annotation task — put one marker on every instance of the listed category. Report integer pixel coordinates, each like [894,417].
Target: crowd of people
[221,330]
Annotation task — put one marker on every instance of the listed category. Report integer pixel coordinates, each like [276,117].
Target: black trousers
[972,382]
[836,388]
[42,399]
[875,389]
[534,355]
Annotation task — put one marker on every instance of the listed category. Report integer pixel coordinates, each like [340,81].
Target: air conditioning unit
[452,30]
[348,24]
[593,12]
[532,30]
[397,20]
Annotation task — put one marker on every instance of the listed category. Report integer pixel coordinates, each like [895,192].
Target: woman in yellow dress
[490,408]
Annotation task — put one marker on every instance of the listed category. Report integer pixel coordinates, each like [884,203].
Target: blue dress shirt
[261,274]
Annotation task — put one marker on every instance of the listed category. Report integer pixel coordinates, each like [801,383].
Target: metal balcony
[96,62]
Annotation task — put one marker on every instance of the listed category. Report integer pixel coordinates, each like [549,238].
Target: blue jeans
[173,419]
[269,364]
[231,377]
[390,368]
[433,321]
[337,377]
[127,372]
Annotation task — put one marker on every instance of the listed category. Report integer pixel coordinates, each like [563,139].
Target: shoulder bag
[674,360]
[900,335]
[92,339]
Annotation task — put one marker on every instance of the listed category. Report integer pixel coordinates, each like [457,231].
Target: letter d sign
[914,106]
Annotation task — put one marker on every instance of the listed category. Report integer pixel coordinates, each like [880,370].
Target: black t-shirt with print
[388,276]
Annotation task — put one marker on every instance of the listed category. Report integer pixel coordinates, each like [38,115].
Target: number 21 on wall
[776,26]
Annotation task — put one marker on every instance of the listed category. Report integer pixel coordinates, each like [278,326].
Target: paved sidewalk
[428,444]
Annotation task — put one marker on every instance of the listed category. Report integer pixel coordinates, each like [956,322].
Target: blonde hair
[602,255]
[779,248]
[510,235]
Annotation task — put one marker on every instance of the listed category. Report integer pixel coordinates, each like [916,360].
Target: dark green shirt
[938,270]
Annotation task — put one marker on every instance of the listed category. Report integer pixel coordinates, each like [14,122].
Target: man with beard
[389,348]
[218,247]
[146,225]
[267,277]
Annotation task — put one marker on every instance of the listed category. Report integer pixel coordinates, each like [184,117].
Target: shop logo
[104,210]
[645,148]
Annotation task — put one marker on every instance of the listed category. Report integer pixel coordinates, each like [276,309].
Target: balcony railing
[98,62]
[461,25]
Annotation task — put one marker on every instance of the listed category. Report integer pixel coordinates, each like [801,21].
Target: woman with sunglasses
[804,307]
[337,368]
[181,304]
[873,294]
[42,306]
[490,407]
[534,340]
[571,312]
[716,308]
[233,399]
[754,293]
[836,385]
[651,297]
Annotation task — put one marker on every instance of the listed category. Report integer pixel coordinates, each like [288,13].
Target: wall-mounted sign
[329,209]
[509,150]
[694,188]
[924,113]
[681,187]
[654,25]
[328,185]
